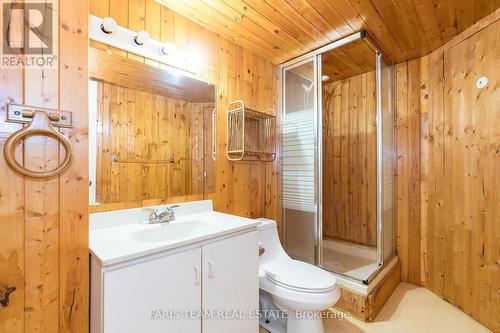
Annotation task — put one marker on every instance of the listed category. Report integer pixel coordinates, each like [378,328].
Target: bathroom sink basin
[172,231]
[122,235]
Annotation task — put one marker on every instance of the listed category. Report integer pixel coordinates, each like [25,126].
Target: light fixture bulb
[168,49]
[141,38]
[325,78]
[108,25]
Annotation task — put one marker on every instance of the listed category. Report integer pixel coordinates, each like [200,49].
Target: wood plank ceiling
[281,30]
[348,60]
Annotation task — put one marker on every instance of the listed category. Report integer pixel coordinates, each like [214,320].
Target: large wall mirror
[151,134]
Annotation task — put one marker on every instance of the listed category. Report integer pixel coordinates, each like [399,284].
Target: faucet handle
[153,213]
[172,207]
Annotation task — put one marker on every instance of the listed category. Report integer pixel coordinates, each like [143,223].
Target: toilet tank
[269,240]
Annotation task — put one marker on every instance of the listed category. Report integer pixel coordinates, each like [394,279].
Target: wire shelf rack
[251,134]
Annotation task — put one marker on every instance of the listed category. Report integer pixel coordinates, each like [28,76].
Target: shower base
[353,260]
[365,301]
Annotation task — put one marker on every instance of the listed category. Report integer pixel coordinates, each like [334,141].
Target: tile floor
[410,310]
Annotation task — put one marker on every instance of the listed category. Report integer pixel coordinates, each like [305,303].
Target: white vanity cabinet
[138,297]
[168,291]
[231,282]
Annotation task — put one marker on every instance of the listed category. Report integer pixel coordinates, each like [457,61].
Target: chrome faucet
[167,216]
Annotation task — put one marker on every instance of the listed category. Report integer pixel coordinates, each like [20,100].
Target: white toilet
[296,291]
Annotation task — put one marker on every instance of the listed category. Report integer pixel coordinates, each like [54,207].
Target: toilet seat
[292,286]
[299,276]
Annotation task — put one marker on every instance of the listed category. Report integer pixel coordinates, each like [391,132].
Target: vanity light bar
[106,31]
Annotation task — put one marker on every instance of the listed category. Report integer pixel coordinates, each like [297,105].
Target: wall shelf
[251,134]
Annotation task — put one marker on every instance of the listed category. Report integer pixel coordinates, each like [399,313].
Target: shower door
[300,206]
[338,158]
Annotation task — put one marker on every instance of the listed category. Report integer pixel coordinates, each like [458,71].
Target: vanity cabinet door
[231,282]
[150,296]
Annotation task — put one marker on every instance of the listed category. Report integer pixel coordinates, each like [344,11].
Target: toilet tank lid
[266,224]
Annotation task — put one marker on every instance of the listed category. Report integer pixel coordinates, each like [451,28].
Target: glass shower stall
[338,158]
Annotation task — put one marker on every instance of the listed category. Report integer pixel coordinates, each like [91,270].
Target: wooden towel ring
[40,125]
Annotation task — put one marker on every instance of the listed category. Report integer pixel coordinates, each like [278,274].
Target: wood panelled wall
[448,193]
[43,223]
[248,189]
[144,130]
[350,160]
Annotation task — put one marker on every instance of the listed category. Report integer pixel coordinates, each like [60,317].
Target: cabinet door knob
[197,277]
[6,294]
[210,269]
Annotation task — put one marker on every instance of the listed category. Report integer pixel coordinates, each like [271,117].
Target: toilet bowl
[293,293]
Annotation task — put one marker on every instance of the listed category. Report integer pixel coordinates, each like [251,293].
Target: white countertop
[114,235]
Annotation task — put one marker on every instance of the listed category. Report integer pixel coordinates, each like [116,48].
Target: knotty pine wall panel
[350,160]
[44,223]
[242,188]
[447,201]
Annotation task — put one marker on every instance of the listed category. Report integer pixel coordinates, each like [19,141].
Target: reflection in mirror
[150,144]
